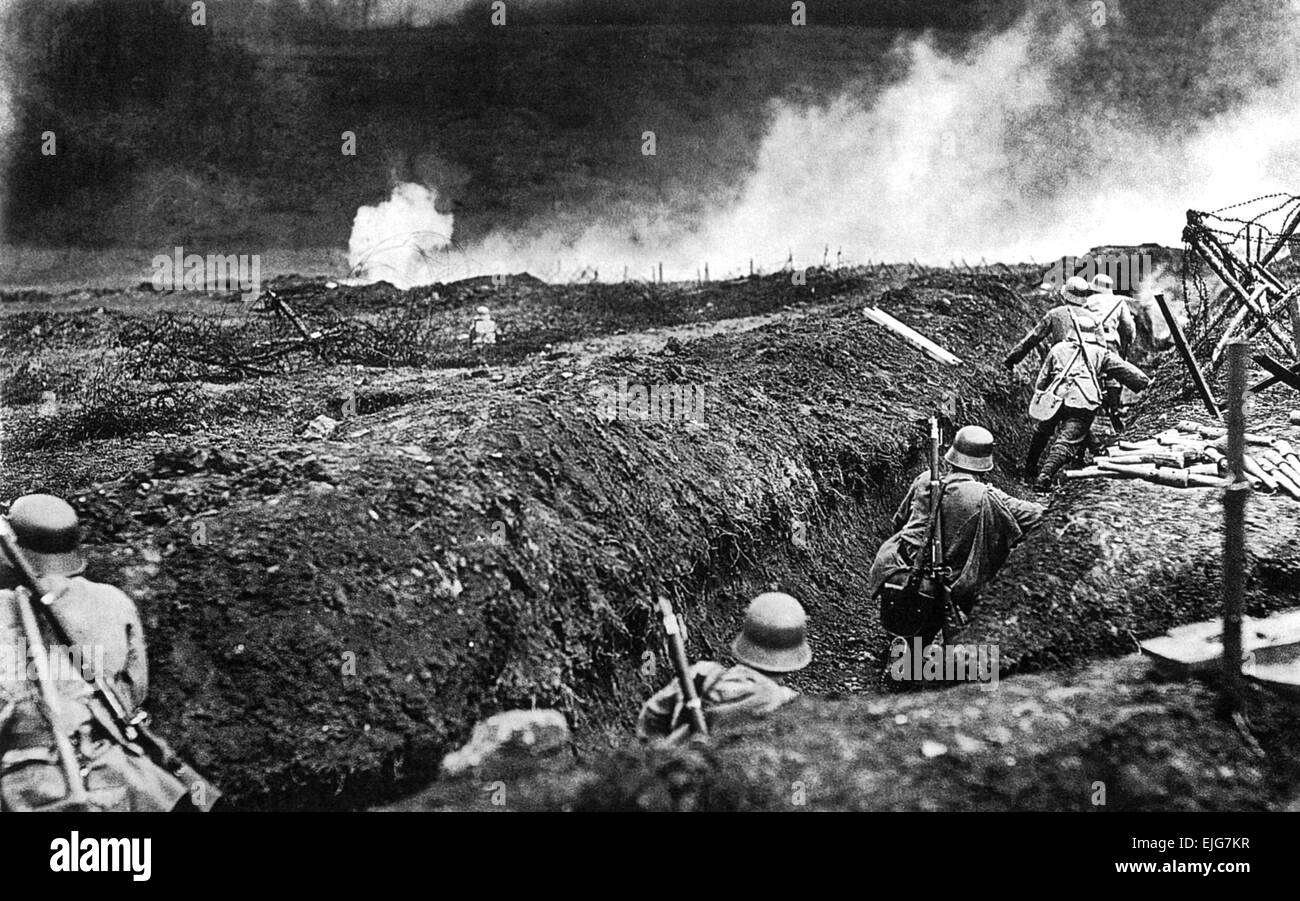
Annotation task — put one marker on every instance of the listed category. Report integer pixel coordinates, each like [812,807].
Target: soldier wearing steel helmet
[771,643]
[981,524]
[483,330]
[104,627]
[1077,373]
[1114,318]
[1055,324]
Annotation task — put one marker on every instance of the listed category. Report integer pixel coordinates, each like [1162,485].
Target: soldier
[1117,328]
[1075,374]
[772,642]
[483,331]
[108,641]
[1055,324]
[980,525]
[1113,314]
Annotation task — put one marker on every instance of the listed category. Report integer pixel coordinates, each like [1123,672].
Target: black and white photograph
[572,407]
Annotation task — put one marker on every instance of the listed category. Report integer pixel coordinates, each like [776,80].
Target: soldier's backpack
[1046,401]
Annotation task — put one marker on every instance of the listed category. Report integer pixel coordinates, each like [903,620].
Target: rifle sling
[923,553]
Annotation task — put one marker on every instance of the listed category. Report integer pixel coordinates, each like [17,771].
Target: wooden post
[1282,238]
[706,272]
[1232,698]
[1293,308]
[1180,341]
[1222,270]
[751,267]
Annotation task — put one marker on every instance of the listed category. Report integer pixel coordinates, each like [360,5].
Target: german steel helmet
[1076,285]
[972,449]
[774,637]
[48,533]
[1102,283]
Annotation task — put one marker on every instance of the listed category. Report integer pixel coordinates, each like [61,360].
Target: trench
[820,421]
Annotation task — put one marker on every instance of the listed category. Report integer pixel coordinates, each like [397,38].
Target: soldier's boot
[1060,454]
[1037,444]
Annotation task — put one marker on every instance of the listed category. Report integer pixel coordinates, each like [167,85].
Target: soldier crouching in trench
[772,643]
[980,526]
[97,617]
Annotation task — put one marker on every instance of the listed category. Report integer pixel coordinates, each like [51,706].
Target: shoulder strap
[1066,370]
[1113,310]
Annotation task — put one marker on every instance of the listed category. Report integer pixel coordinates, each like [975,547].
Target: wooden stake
[1293,309]
[1232,699]
[1180,341]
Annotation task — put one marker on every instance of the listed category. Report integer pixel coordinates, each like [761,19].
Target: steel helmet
[774,637]
[972,449]
[49,534]
[1076,285]
[483,311]
[1102,283]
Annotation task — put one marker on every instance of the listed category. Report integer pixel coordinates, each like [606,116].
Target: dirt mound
[1107,738]
[327,620]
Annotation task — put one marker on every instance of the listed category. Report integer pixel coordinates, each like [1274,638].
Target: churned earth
[329,616]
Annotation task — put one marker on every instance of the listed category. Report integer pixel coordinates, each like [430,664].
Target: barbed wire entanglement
[1241,275]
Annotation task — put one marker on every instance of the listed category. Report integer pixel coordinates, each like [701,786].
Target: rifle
[1116,423]
[76,798]
[203,794]
[938,572]
[677,650]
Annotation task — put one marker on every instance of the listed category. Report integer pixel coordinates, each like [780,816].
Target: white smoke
[8,99]
[968,156]
[402,240]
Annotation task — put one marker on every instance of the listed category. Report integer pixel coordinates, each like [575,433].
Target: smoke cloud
[1031,145]
[401,240]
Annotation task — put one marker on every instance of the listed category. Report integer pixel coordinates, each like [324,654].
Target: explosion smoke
[992,154]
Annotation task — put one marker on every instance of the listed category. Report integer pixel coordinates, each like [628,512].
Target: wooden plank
[1180,341]
[1184,650]
[915,338]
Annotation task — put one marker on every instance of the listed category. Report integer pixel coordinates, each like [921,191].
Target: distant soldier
[108,641]
[772,642]
[980,525]
[1055,324]
[483,331]
[1075,374]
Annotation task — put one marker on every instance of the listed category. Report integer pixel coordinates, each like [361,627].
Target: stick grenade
[1232,700]
[682,666]
[1180,341]
[36,649]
